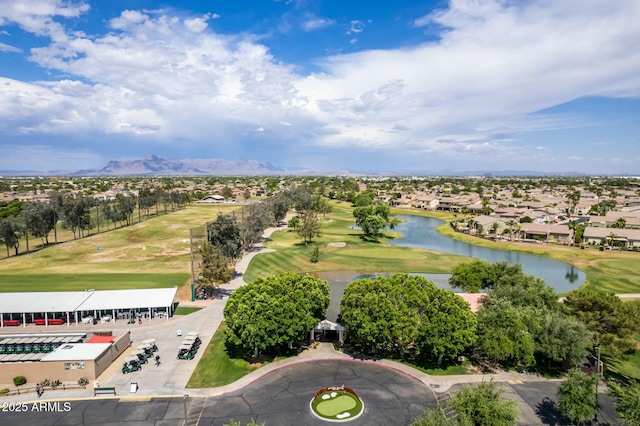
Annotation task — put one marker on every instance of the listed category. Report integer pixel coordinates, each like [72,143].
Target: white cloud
[36,16]
[356,26]
[161,77]
[8,48]
[314,23]
[197,25]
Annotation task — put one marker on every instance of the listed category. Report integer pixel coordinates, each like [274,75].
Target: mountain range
[153,165]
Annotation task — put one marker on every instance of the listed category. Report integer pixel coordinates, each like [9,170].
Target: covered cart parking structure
[56,308]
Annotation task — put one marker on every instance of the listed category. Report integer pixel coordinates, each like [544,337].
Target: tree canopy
[612,322]
[275,310]
[225,233]
[482,405]
[391,313]
[627,402]
[577,396]
[215,268]
[479,275]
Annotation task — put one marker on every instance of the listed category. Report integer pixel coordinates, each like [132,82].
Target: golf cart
[142,357]
[193,340]
[131,364]
[185,351]
[147,348]
[152,343]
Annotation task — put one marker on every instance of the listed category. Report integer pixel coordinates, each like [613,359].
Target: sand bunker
[340,244]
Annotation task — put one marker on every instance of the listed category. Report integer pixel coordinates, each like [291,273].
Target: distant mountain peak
[154,165]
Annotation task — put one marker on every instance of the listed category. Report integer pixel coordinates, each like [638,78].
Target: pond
[419,231]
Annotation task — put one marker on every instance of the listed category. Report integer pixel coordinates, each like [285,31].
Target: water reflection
[420,232]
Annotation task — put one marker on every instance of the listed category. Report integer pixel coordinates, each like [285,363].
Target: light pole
[184,403]
[598,369]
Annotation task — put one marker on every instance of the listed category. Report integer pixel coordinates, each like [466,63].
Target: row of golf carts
[189,346]
[140,356]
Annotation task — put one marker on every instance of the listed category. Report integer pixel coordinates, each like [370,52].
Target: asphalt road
[282,398]
[277,399]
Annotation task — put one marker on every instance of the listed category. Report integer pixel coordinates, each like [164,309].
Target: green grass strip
[216,367]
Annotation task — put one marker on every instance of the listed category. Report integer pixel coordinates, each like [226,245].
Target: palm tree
[573,225]
[574,198]
[494,228]
[620,223]
[465,211]
[512,224]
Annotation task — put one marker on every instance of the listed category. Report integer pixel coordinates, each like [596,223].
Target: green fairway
[356,255]
[608,271]
[150,254]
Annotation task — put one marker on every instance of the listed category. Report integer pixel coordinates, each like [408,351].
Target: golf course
[155,253]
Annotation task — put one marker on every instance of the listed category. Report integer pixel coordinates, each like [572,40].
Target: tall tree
[506,333]
[309,226]
[574,199]
[577,397]
[612,322]
[225,233]
[55,200]
[215,268]
[275,310]
[10,233]
[39,218]
[562,339]
[482,405]
[448,327]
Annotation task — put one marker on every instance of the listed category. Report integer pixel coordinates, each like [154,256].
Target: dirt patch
[338,244]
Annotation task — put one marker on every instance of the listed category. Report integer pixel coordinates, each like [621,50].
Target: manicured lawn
[216,367]
[608,271]
[449,370]
[357,255]
[629,367]
[185,310]
[151,254]
[82,281]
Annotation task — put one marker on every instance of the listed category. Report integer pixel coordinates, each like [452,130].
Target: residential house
[632,220]
[560,234]
[629,238]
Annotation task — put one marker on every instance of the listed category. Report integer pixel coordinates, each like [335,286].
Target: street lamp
[597,349]
[184,403]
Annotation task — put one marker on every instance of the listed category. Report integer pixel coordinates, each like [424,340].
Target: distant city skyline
[364,86]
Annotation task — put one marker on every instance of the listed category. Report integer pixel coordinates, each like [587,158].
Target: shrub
[4,391]
[601,248]
[315,255]
[83,381]
[19,380]
[55,383]
[45,383]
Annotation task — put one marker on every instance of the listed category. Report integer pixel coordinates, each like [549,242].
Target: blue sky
[541,85]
